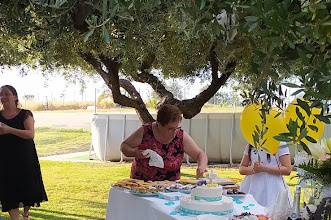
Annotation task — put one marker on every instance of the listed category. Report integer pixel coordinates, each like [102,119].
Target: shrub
[151,103]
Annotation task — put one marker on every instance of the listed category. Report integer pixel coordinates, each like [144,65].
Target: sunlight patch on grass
[51,141]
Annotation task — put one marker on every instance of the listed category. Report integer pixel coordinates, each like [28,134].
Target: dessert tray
[178,187]
[137,186]
[141,188]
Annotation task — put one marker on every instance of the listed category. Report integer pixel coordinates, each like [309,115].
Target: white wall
[218,134]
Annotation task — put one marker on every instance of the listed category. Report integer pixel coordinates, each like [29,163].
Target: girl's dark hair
[250,151]
[12,90]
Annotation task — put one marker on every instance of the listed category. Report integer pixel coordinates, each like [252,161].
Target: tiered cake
[207,199]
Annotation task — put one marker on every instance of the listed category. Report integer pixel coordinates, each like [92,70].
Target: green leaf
[131,5]
[114,8]
[313,127]
[327,23]
[278,114]
[286,137]
[291,85]
[87,35]
[310,139]
[252,26]
[304,105]
[291,44]
[59,3]
[263,142]
[104,9]
[105,35]
[323,118]
[243,6]
[297,92]
[202,4]
[126,16]
[305,148]
[251,19]
[315,104]
[299,114]
[257,129]
[292,127]
[303,133]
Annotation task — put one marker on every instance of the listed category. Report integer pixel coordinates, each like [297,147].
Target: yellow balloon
[250,119]
[290,113]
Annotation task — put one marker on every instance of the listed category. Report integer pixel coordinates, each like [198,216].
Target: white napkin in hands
[155,160]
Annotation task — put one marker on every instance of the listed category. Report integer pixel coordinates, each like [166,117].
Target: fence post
[189,133]
[106,137]
[206,132]
[95,100]
[123,134]
[232,132]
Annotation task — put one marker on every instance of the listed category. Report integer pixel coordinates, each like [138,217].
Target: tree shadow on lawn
[92,204]
[49,214]
[58,215]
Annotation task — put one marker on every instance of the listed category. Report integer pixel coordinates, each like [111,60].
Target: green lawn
[80,190]
[50,141]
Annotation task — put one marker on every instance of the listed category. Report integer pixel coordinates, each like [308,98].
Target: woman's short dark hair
[12,90]
[168,113]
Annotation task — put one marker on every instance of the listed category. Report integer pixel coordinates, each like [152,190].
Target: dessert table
[122,205]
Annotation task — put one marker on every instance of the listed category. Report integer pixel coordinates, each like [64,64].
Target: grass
[50,141]
[80,190]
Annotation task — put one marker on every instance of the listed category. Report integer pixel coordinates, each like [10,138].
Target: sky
[52,88]
[56,88]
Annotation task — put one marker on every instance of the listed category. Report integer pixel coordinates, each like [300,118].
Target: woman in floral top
[166,138]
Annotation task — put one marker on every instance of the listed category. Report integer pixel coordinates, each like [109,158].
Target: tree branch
[144,76]
[112,80]
[191,107]
[213,62]
[79,15]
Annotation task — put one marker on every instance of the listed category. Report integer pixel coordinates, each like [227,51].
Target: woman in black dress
[21,181]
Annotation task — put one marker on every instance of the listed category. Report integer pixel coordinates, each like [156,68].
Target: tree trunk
[189,107]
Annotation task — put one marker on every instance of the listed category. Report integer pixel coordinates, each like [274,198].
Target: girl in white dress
[264,179]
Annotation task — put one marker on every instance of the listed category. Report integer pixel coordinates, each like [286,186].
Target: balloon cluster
[274,123]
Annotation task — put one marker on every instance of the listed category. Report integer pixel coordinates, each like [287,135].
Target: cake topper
[212,176]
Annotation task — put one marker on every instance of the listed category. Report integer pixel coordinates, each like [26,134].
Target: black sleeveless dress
[20,176]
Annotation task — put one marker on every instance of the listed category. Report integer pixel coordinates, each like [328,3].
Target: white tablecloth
[123,205]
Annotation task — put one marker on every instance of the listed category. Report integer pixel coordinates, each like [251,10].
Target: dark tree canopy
[258,42]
